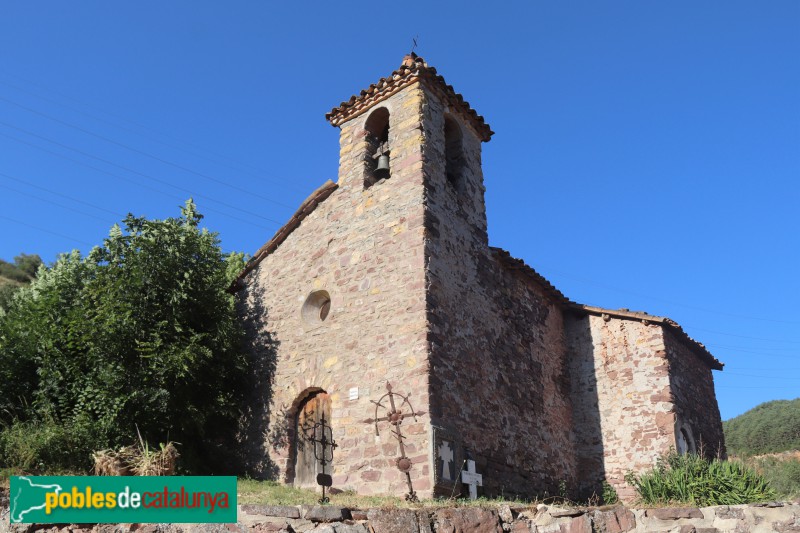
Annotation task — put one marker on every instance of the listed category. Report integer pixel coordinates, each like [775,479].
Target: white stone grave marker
[471,478]
[446,455]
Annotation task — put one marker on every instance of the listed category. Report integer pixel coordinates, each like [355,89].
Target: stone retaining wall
[780,517]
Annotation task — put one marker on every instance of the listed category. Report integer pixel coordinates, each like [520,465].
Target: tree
[139,332]
[769,427]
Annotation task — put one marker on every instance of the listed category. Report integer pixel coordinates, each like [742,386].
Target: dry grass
[136,461]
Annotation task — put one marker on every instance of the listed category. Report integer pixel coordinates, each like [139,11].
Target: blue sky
[646,155]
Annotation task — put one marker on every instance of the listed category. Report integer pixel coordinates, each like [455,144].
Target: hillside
[14,275]
[767,428]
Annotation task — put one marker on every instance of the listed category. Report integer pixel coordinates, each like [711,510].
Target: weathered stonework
[778,518]
[545,395]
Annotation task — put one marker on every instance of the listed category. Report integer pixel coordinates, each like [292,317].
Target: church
[387,277]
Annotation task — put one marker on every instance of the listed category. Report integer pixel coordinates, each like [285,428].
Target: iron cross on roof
[395,416]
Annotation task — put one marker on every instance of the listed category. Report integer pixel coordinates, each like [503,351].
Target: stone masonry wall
[497,374]
[694,397]
[774,517]
[624,416]
[365,247]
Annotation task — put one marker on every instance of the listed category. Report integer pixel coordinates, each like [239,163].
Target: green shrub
[49,446]
[691,479]
[783,474]
[139,331]
[610,496]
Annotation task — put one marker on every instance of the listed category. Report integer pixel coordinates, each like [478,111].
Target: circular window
[317,307]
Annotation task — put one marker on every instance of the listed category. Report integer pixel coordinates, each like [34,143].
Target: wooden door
[307,466]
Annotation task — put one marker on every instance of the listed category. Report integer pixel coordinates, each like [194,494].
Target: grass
[782,472]
[272,493]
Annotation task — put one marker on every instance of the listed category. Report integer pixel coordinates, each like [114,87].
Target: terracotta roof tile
[512,263]
[519,265]
[413,69]
[696,346]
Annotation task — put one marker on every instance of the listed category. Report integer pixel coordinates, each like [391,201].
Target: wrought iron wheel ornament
[322,453]
[395,415]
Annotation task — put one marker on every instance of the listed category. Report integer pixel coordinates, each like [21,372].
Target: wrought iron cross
[395,416]
[323,453]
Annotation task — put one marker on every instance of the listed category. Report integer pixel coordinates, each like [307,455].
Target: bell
[382,170]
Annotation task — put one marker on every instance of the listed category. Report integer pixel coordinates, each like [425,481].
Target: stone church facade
[387,275]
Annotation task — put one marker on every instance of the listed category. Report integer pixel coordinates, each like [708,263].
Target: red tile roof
[413,69]
[519,265]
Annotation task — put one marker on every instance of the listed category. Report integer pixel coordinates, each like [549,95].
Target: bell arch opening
[453,152]
[377,158]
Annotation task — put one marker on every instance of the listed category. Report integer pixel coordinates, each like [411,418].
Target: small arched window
[685,440]
[377,156]
[453,152]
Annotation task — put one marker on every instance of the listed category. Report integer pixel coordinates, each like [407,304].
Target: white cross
[471,478]
[446,455]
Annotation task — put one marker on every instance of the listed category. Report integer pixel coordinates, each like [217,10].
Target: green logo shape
[111,499]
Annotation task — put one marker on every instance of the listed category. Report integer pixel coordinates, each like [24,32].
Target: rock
[350,528]
[472,519]
[617,520]
[300,525]
[568,513]
[358,514]
[579,524]
[674,513]
[726,513]
[787,526]
[506,514]
[285,511]
[323,528]
[398,521]
[327,513]
[267,527]
[522,526]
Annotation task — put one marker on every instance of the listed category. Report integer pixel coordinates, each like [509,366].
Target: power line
[255,171]
[146,154]
[757,349]
[147,176]
[752,387]
[60,194]
[123,178]
[687,306]
[743,336]
[53,203]
[760,377]
[46,230]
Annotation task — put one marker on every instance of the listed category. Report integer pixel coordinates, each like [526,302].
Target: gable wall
[365,247]
[624,415]
[694,397]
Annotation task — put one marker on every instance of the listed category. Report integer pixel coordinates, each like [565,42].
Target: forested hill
[767,428]
[14,275]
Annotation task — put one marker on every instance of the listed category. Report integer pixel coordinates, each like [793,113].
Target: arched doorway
[310,413]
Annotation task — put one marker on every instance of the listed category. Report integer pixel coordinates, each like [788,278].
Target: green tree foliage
[767,428]
[695,480]
[141,331]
